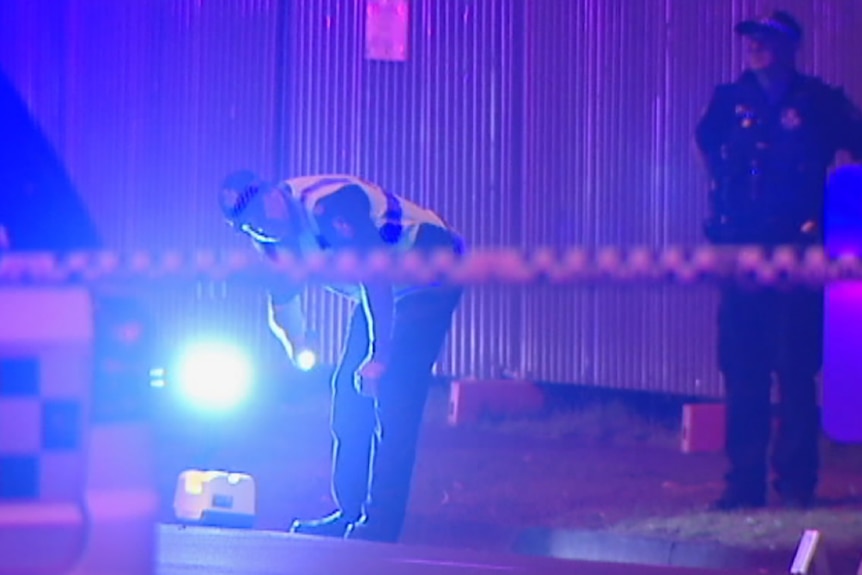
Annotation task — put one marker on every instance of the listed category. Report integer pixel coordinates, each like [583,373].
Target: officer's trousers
[766,333]
[375,440]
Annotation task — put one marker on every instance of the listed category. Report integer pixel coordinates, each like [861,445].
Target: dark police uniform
[769,161]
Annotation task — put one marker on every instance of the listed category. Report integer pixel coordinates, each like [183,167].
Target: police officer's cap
[238,191]
[778,23]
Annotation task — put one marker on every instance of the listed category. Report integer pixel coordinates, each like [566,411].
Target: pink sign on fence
[387,30]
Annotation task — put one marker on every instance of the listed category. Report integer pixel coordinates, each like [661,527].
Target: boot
[335,524]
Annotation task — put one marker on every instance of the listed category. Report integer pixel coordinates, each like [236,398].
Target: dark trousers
[375,440]
[765,333]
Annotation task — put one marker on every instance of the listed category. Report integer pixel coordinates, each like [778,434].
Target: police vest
[397,220]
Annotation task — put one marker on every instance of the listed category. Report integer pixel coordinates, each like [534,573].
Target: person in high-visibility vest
[394,337]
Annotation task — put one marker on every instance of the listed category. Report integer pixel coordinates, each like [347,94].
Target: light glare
[305,360]
[215,375]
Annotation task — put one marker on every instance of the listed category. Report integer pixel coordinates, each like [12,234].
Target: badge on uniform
[745,114]
[790,119]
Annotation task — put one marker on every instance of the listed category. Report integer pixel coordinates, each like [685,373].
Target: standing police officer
[394,337]
[768,140]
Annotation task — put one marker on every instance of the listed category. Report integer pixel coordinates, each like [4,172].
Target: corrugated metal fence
[523,123]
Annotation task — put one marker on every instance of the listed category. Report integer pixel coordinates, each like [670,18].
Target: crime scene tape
[575,265]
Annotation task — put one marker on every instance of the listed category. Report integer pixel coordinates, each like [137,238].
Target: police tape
[697,264]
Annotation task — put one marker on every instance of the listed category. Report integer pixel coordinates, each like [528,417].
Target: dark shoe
[333,525]
[371,532]
[797,502]
[734,502]
[798,494]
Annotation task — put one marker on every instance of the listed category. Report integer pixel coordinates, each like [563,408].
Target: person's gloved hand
[810,232]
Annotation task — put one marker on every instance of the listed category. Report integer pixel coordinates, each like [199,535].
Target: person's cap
[238,190]
[240,200]
[778,23]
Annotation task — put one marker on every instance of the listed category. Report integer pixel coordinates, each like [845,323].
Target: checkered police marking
[46,343]
[38,434]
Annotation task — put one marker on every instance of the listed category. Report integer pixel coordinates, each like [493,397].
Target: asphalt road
[194,551]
